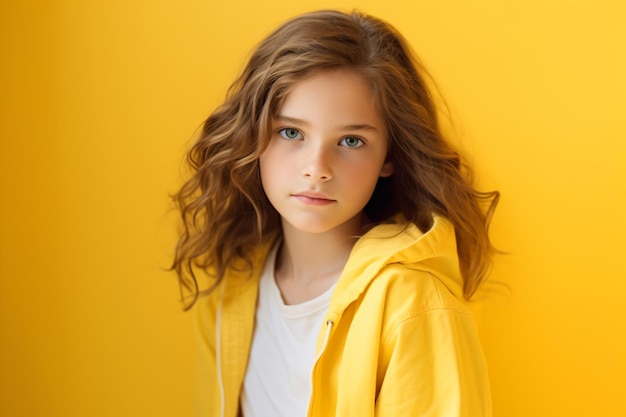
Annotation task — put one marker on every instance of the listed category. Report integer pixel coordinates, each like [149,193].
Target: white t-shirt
[278,379]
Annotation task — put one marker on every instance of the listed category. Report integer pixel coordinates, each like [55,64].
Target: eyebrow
[300,122]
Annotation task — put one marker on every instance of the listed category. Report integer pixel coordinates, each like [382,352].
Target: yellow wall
[99,100]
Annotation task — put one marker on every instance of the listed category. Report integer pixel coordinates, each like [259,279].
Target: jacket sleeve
[435,368]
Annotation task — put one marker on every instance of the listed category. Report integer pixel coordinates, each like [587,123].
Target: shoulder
[411,291]
[415,301]
[420,314]
[238,285]
[429,344]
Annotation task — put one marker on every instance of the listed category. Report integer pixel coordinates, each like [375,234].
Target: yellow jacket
[397,341]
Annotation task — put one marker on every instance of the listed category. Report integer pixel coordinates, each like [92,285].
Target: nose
[317,165]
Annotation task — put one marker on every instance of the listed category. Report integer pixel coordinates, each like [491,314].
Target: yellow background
[100,100]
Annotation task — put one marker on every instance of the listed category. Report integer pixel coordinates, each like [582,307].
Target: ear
[387,169]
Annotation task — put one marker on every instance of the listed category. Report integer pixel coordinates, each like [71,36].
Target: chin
[312,228]
[316,225]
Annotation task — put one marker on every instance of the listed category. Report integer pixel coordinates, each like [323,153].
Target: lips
[313,198]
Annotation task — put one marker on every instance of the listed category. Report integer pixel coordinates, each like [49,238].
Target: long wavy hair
[224,209]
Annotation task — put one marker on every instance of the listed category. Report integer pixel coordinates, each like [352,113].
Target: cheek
[367,175]
[271,168]
[366,171]
[264,165]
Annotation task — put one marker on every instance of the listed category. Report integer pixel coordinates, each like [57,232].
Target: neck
[309,263]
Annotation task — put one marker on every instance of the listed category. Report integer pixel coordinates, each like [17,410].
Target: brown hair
[223,206]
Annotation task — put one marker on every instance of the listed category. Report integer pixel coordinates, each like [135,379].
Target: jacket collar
[398,242]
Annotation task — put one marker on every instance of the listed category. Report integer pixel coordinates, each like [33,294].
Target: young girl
[338,233]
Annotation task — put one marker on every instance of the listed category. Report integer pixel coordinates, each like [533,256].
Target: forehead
[343,96]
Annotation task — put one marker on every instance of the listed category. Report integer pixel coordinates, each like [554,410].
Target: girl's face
[328,149]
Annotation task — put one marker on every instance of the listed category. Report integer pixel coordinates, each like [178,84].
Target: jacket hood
[400,242]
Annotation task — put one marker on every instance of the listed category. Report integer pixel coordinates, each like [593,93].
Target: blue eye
[351,142]
[290,133]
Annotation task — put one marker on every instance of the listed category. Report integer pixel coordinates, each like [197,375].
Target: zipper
[329,326]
